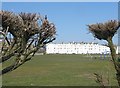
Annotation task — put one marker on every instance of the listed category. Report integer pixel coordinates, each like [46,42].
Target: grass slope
[60,70]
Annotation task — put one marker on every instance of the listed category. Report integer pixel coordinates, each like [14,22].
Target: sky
[70,18]
[60,0]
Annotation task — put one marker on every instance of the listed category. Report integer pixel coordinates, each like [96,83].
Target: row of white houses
[77,48]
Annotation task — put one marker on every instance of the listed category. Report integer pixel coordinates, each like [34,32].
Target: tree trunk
[114,58]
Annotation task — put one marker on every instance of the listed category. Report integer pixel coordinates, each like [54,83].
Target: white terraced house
[77,48]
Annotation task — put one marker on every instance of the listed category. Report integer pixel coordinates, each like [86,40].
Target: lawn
[60,70]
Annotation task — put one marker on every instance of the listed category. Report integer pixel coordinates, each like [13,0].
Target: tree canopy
[23,35]
[106,31]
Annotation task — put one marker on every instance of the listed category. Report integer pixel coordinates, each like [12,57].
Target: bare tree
[106,31]
[23,35]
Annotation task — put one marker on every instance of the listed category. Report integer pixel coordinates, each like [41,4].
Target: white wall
[76,48]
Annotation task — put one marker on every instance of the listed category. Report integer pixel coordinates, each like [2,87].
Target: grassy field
[60,70]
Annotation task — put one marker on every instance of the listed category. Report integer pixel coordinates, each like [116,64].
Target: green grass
[60,70]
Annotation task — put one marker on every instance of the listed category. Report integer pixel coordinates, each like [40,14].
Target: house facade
[76,48]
